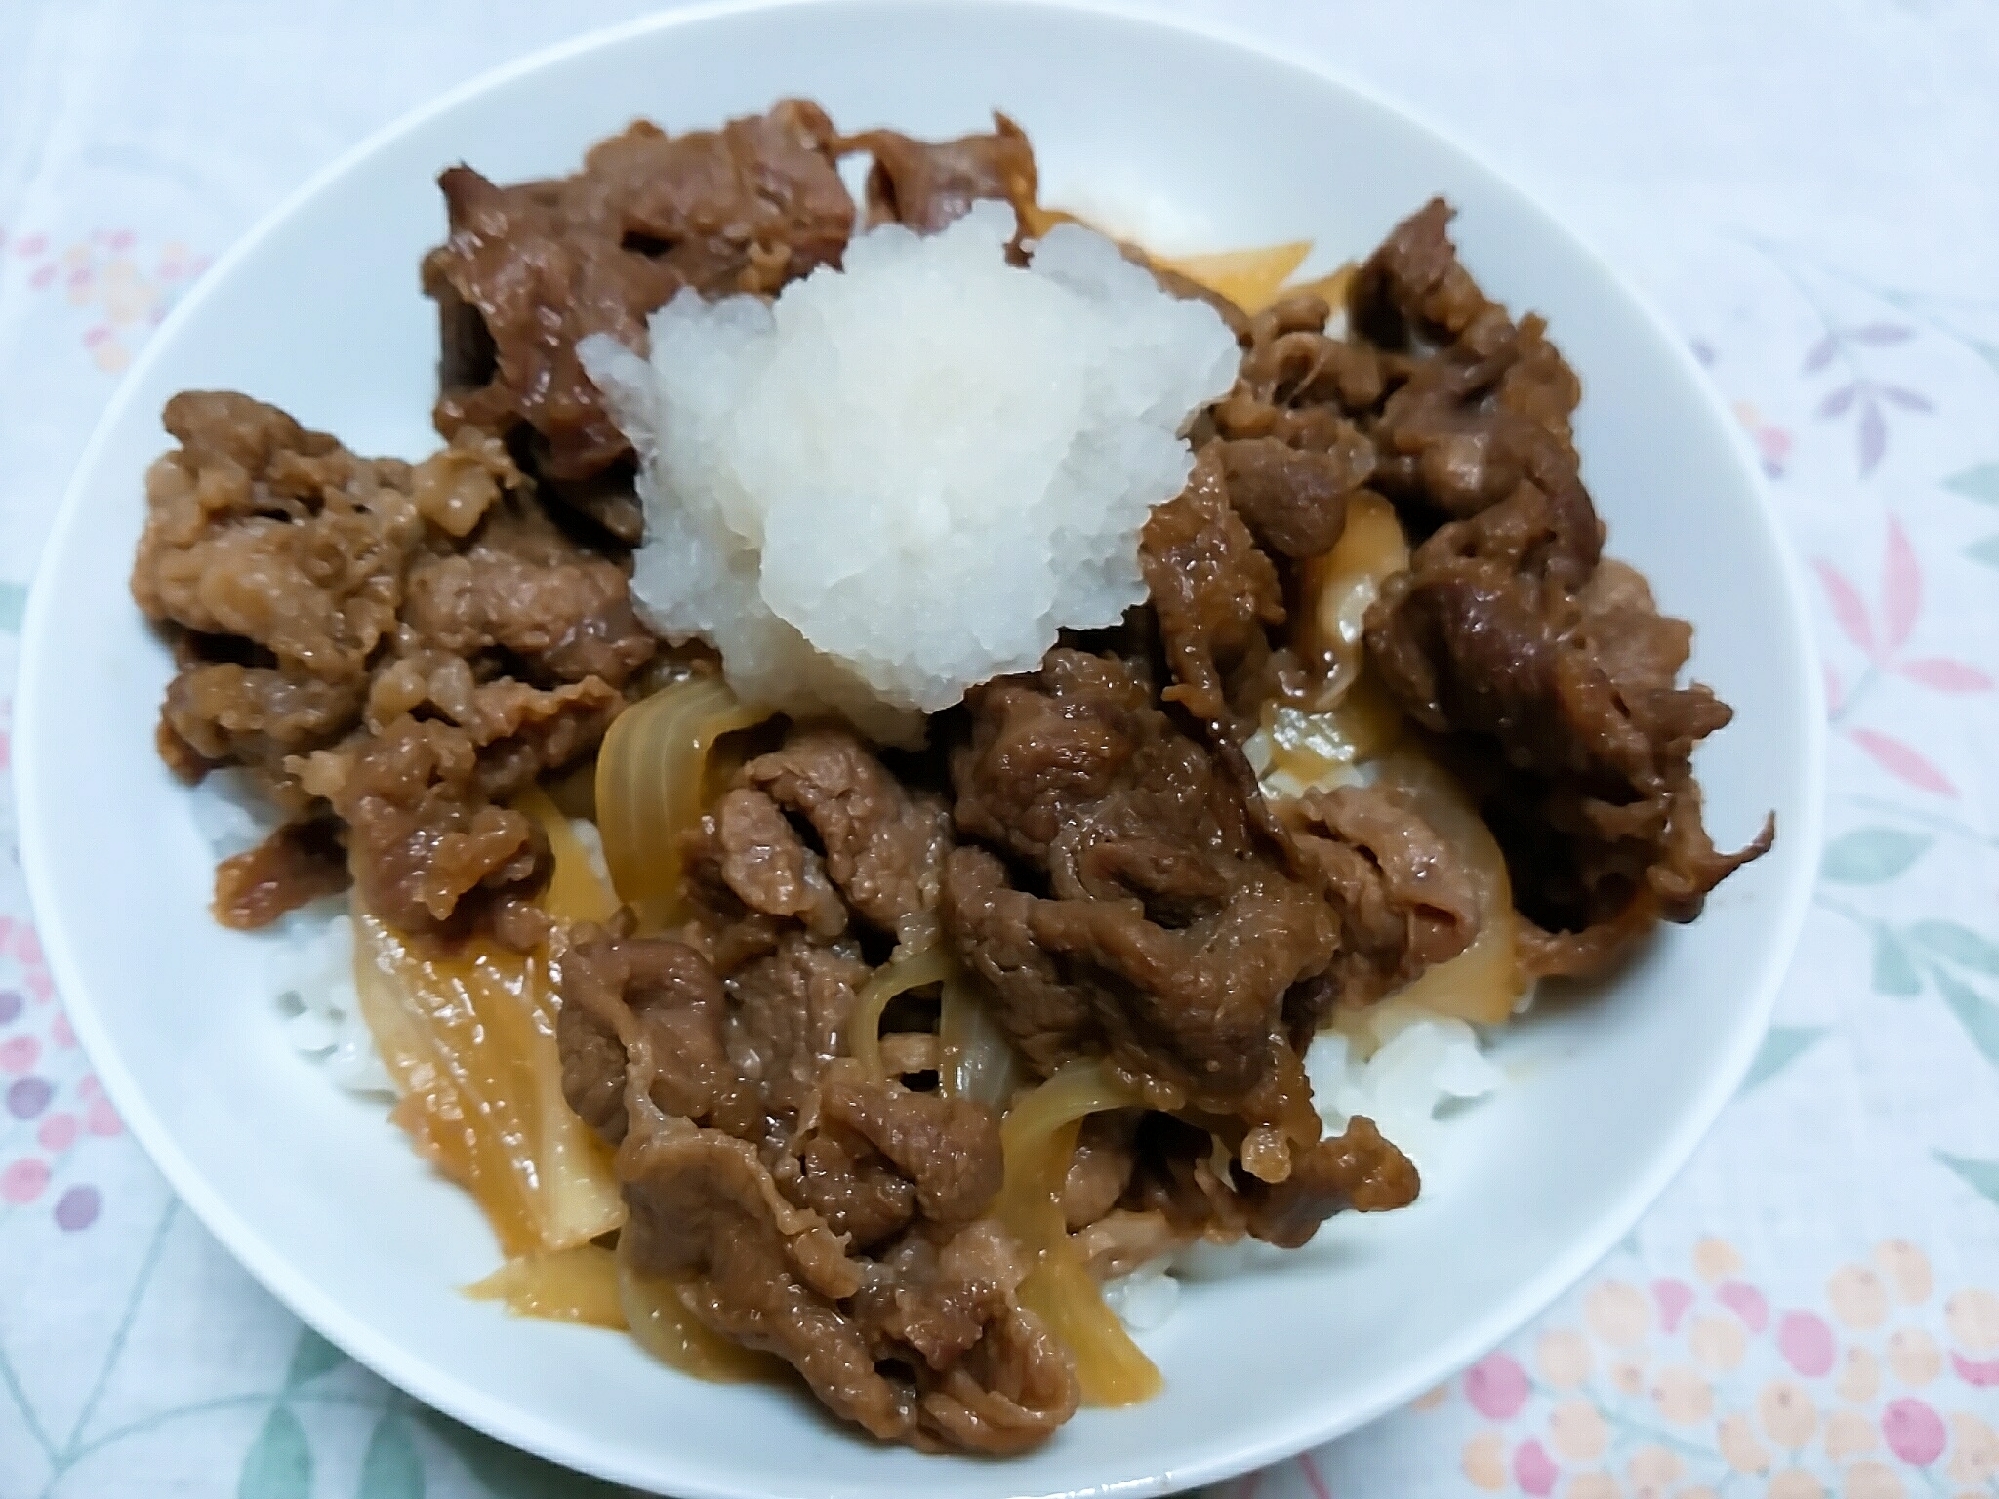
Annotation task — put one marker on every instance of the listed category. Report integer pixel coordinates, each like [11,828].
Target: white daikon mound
[902,478]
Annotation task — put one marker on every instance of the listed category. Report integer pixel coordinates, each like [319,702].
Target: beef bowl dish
[790,790]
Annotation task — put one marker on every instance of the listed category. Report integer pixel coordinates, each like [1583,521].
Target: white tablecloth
[1809,190]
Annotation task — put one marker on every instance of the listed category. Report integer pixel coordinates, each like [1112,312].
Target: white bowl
[1198,137]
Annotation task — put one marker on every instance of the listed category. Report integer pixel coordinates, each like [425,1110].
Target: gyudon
[906,763]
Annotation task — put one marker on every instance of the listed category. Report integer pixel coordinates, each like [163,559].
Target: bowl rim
[466,1402]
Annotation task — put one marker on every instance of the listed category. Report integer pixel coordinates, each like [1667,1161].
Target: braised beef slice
[884,844]
[800,1207]
[1405,903]
[560,612]
[1164,934]
[1213,590]
[1357,1169]
[345,629]
[1294,500]
[1548,670]
[295,864]
[530,270]
[927,185]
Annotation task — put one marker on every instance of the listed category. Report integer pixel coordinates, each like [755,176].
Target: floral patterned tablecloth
[1807,189]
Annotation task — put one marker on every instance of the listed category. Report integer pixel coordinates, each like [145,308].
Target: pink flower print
[1881,640]
[1981,1374]
[1807,1343]
[1618,1313]
[1746,1302]
[1497,1387]
[25,1179]
[1673,1297]
[57,1134]
[1534,1470]
[31,245]
[1716,1260]
[1914,1432]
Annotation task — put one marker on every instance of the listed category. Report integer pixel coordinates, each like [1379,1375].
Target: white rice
[306,956]
[1398,1064]
[903,477]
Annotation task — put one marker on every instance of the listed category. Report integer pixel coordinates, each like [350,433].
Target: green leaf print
[1986,551]
[312,1358]
[1981,1176]
[392,1469]
[13,602]
[1783,1046]
[508,1473]
[1867,856]
[279,1463]
[1960,944]
[1979,482]
[1978,1016]
[1894,970]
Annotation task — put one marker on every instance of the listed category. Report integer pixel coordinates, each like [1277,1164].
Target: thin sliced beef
[1214,591]
[1549,672]
[884,844]
[1156,925]
[530,270]
[800,1207]
[746,861]
[1294,500]
[389,649]
[1404,900]
[560,612]
[927,185]
[294,865]
[262,532]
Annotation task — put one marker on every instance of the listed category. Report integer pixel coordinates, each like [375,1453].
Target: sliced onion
[469,1042]
[1038,1136]
[1252,279]
[1340,583]
[579,889]
[980,1062]
[904,971]
[651,785]
[579,1284]
[671,1333]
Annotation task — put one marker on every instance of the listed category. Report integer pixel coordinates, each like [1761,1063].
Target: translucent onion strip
[651,783]
[904,971]
[469,1042]
[667,1330]
[1252,279]
[579,1284]
[1339,584]
[1038,1137]
[1331,287]
[980,1063]
[578,890]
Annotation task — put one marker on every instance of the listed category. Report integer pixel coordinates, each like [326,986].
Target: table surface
[1807,189]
